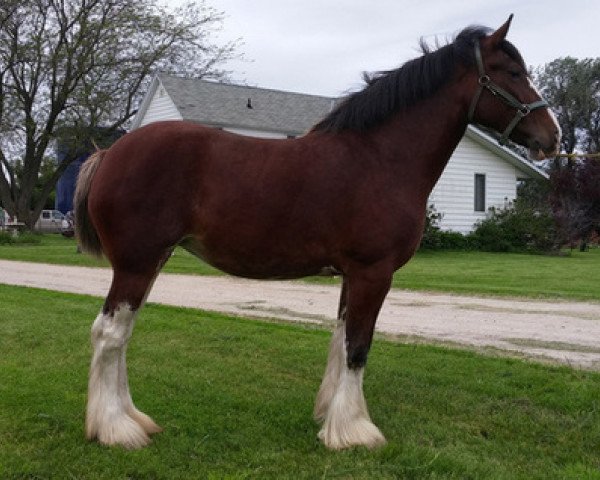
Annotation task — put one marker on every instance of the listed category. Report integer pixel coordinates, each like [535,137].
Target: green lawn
[235,398]
[573,276]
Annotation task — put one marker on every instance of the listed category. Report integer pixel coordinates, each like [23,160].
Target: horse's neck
[422,138]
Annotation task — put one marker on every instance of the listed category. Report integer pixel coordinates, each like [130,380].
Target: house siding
[255,133]
[161,107]
[454,194]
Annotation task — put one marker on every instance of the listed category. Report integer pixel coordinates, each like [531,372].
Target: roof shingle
[226,105]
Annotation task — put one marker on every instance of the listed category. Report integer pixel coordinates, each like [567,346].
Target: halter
[523,109]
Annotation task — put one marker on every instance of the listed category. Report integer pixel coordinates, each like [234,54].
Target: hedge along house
[480,174]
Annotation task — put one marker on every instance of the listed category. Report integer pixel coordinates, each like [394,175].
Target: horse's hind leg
[111,416]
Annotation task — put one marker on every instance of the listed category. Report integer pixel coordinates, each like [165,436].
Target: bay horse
[349,196]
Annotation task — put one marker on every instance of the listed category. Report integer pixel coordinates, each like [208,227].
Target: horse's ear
[499,35]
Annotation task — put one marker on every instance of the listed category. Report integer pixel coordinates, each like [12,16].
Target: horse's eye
[514,73]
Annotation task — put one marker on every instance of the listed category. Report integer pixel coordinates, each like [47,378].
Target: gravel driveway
[567,332]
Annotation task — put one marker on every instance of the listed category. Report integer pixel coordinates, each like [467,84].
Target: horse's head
[506,100]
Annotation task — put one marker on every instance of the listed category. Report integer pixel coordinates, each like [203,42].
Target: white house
[479,175]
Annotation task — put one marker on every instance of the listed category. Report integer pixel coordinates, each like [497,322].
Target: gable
[160,107]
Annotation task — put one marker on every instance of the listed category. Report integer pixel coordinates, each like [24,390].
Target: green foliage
[434,238]
[450,240]
[572,87]
[516,228]
[432,231]
[575,200]
[7,238]
[526,225]
[235,399]
[76,65]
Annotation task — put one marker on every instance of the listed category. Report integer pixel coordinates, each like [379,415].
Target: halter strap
[485,82]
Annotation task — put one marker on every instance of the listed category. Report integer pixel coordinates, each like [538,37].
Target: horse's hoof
[123,431]
[361,432]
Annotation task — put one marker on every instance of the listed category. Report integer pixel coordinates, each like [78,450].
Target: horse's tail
[84,229]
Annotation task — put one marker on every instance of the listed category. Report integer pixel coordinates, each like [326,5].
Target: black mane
[391,91]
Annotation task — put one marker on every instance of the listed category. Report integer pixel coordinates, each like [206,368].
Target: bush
[517,228]
[524,226]
[431,233]
[7,238]
[450,240]
[434,238]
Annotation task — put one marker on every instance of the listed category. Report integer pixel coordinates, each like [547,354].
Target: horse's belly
[257,263]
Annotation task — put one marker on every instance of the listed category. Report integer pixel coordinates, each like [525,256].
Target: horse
[348,197]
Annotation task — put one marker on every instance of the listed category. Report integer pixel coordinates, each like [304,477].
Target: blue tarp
[65,188]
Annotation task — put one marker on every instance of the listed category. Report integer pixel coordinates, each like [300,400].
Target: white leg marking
[111,416]
[346,421]
[335,362]
[141,418]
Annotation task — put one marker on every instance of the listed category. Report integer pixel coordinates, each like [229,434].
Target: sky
[322,46]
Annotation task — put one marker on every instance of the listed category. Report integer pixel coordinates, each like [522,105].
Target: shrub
[526,225]
[434,238]
[450,240]
[516,228]
[7,238]
[432,232]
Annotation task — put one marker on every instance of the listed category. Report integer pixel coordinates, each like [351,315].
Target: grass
[235,398]
[574,276]
[57,249]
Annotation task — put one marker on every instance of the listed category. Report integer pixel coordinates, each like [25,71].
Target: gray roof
[226,105]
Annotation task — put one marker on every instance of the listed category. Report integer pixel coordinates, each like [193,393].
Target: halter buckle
[524,110]
[484,80]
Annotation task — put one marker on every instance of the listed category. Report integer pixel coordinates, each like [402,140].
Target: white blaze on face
[550,112]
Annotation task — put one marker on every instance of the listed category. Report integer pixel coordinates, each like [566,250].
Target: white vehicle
[50,221]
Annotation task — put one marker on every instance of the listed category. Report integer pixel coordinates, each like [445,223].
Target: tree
[572,87]
[575,199]
[68,67]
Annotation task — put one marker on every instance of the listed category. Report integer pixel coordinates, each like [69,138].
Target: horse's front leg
[335,361]
[341,404]
[111,415]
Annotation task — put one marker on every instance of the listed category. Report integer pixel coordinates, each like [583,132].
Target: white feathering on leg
[346,420]
[335,362]
[111,416]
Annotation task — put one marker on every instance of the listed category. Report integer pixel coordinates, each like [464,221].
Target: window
[480,192]
[46,215]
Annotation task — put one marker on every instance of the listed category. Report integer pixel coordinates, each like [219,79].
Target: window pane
[479,192]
